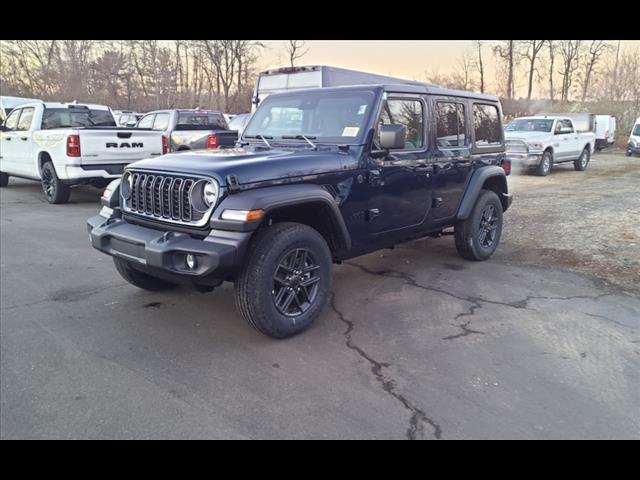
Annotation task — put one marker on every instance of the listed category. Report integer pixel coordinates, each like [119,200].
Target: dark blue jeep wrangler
[318,176]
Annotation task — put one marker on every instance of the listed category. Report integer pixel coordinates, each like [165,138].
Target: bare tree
[596,49]
[480,65]
[552,54]
[505,51]
[296,50]
[570,53]
[531,52]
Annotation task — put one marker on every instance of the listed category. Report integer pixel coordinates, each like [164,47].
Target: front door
[10,145]
[400,183]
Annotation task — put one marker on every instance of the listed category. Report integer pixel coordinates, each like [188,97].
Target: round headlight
[210,195]
[126,185]
[204,194]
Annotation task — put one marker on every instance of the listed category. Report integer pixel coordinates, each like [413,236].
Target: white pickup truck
[63,145]
[542,141]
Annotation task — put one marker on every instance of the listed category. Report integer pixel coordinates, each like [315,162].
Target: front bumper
[217,255]
[525,160]
[632,149]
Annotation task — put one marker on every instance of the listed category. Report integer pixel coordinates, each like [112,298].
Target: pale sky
[410,59]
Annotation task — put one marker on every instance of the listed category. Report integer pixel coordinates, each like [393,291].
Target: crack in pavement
[465,326]
[418,417]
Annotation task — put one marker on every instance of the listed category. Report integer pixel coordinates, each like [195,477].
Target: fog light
[191,261]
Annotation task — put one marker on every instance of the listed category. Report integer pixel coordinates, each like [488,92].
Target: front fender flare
[272,198]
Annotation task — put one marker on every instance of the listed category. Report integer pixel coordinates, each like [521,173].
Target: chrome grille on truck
[163,197]
[516,146]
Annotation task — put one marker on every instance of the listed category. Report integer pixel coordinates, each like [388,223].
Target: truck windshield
[636,130]
[68,117]
[529,125]
[322,116]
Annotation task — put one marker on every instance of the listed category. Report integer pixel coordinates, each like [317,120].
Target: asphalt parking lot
[541,341]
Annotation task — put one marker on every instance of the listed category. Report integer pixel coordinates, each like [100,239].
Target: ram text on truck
[64,145]
[319,176]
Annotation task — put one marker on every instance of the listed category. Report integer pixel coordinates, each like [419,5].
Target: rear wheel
[478,236]
[546,162]
[286,279]
[581,163]
[54,190]
[4,179]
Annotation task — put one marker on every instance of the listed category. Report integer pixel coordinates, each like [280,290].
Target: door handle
[8,139]
[424,169]
[24,138]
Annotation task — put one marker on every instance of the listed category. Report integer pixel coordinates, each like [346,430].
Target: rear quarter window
[486,125]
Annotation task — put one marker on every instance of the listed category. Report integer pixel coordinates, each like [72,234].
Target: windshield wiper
[261,137]
[301,137]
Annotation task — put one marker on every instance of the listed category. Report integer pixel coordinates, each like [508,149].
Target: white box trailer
[605,131]
[314,76]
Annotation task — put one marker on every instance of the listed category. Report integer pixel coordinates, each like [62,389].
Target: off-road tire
[468,232]
[55,191]
[581,163]
[255,287]
[546,164]
[140,279]
[4,179]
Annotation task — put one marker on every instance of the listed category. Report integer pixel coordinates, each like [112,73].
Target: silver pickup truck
[192,129]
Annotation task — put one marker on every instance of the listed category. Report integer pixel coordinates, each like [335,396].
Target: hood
[527,136]
[249,166]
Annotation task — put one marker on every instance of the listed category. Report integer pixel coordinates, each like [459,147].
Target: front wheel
[478,236]
[544,167]
[581,163]
[54,190]
[286,279]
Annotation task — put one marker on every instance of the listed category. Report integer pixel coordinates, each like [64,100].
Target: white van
[315,76]
[605,130]
[634,139]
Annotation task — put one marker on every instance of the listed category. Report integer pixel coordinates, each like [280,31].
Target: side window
[567,124]
[25,118]
[161,122]
[486,125]
[12,120]
[450,125]
[146,122]
[408,113]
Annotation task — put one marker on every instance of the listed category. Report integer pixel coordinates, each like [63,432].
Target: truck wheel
[140,279]
[4,179]
[581,163]
[546,162]
[286,279]
[54,190]
[478,236]
[628,153]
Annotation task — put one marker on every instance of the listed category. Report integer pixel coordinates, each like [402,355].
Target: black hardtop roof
[423,88]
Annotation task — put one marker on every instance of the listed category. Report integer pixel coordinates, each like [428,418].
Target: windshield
[81,117]
[319,115]
[530,125]
[636,130]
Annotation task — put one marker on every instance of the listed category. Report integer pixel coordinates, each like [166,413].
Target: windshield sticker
[350,131]
[362,109]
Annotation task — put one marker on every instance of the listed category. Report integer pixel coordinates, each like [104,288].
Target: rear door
[565,143]
[400,184]
[24,141]
[452,154]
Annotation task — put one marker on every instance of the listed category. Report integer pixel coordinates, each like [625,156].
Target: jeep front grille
[163,197]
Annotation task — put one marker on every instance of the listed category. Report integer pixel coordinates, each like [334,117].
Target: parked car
[319,176]
[605,130]
[239,122]
[190,129]
[284,79]
[540,142]
[63,145]
[9,103]
[634,139]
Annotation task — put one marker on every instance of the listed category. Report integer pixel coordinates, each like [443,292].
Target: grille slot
[163,197]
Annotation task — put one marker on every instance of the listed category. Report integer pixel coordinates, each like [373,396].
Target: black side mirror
[392,136]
